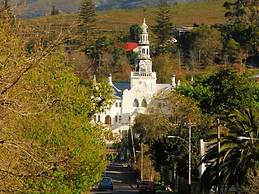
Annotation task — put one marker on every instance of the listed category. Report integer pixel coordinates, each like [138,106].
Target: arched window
[143,51]
[108,120]
[144,103]
[135,103]
[116,118]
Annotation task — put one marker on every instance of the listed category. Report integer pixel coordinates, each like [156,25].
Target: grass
[183,14]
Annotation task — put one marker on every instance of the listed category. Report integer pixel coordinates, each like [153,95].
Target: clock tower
[143,73]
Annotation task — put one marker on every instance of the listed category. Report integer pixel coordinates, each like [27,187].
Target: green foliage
[221,93]
[87,21]
[242,11]
[238,159]
[169,115]
[243,28]
[163,29]
[48,143]
[165,66]
[251,185]
[105,57]
[232,50]
[132,56]
[206,43]
[135,31]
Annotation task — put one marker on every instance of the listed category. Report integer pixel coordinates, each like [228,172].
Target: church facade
[133,97]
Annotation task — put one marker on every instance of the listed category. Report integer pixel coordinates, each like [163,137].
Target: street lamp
[190,155]
[240,138]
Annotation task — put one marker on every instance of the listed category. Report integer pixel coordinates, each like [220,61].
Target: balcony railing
[142,74]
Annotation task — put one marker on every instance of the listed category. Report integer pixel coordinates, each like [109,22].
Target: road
[124,180]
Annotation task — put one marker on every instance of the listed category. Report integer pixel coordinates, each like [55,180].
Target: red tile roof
[129,46]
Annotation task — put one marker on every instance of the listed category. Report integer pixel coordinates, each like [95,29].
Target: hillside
[32,8]
[184,14]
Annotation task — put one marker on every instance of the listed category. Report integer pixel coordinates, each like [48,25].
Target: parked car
[106,184]
[147,187]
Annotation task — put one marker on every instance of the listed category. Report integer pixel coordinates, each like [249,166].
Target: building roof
[120,87]
[162,86]
[130,46]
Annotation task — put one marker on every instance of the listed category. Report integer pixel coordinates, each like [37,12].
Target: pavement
[124,180]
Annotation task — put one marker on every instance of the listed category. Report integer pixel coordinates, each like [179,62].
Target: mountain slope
[32,8]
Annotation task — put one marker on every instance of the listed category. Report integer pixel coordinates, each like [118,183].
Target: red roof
[129,46]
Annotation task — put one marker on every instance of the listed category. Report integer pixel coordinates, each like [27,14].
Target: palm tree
[237,158]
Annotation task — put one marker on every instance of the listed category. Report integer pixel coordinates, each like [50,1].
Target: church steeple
[143,73]
[143,63]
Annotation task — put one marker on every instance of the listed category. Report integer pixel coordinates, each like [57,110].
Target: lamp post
[190,155]
[240,138]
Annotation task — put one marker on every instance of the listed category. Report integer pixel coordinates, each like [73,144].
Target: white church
[133,97]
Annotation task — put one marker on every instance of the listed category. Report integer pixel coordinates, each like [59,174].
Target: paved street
[124,179]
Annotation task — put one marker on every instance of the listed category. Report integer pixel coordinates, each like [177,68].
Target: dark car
[106,184]
[147,187]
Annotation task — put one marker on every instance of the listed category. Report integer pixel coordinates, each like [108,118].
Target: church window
[120,104]
[99,118]
[116,104]
[143,51]
[144,103]
[120,118]
[147,52]
[116,119]
[108,120]
[135,103]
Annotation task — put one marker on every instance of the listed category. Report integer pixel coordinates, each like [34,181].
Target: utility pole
[218,166]
[189,142]
[142,162]
[190,160]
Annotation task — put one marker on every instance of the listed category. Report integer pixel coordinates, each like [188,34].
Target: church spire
[144,35]
[144,27]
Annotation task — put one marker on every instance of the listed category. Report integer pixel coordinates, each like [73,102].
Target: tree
[135,31]
[168,115]
[238,159]
[87,22]
[242,11]
[232,51]
[250,186]
[5,12]
[163,29]
[221,93]
[243,27]
[47,141]
[206,44]
[165,66]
